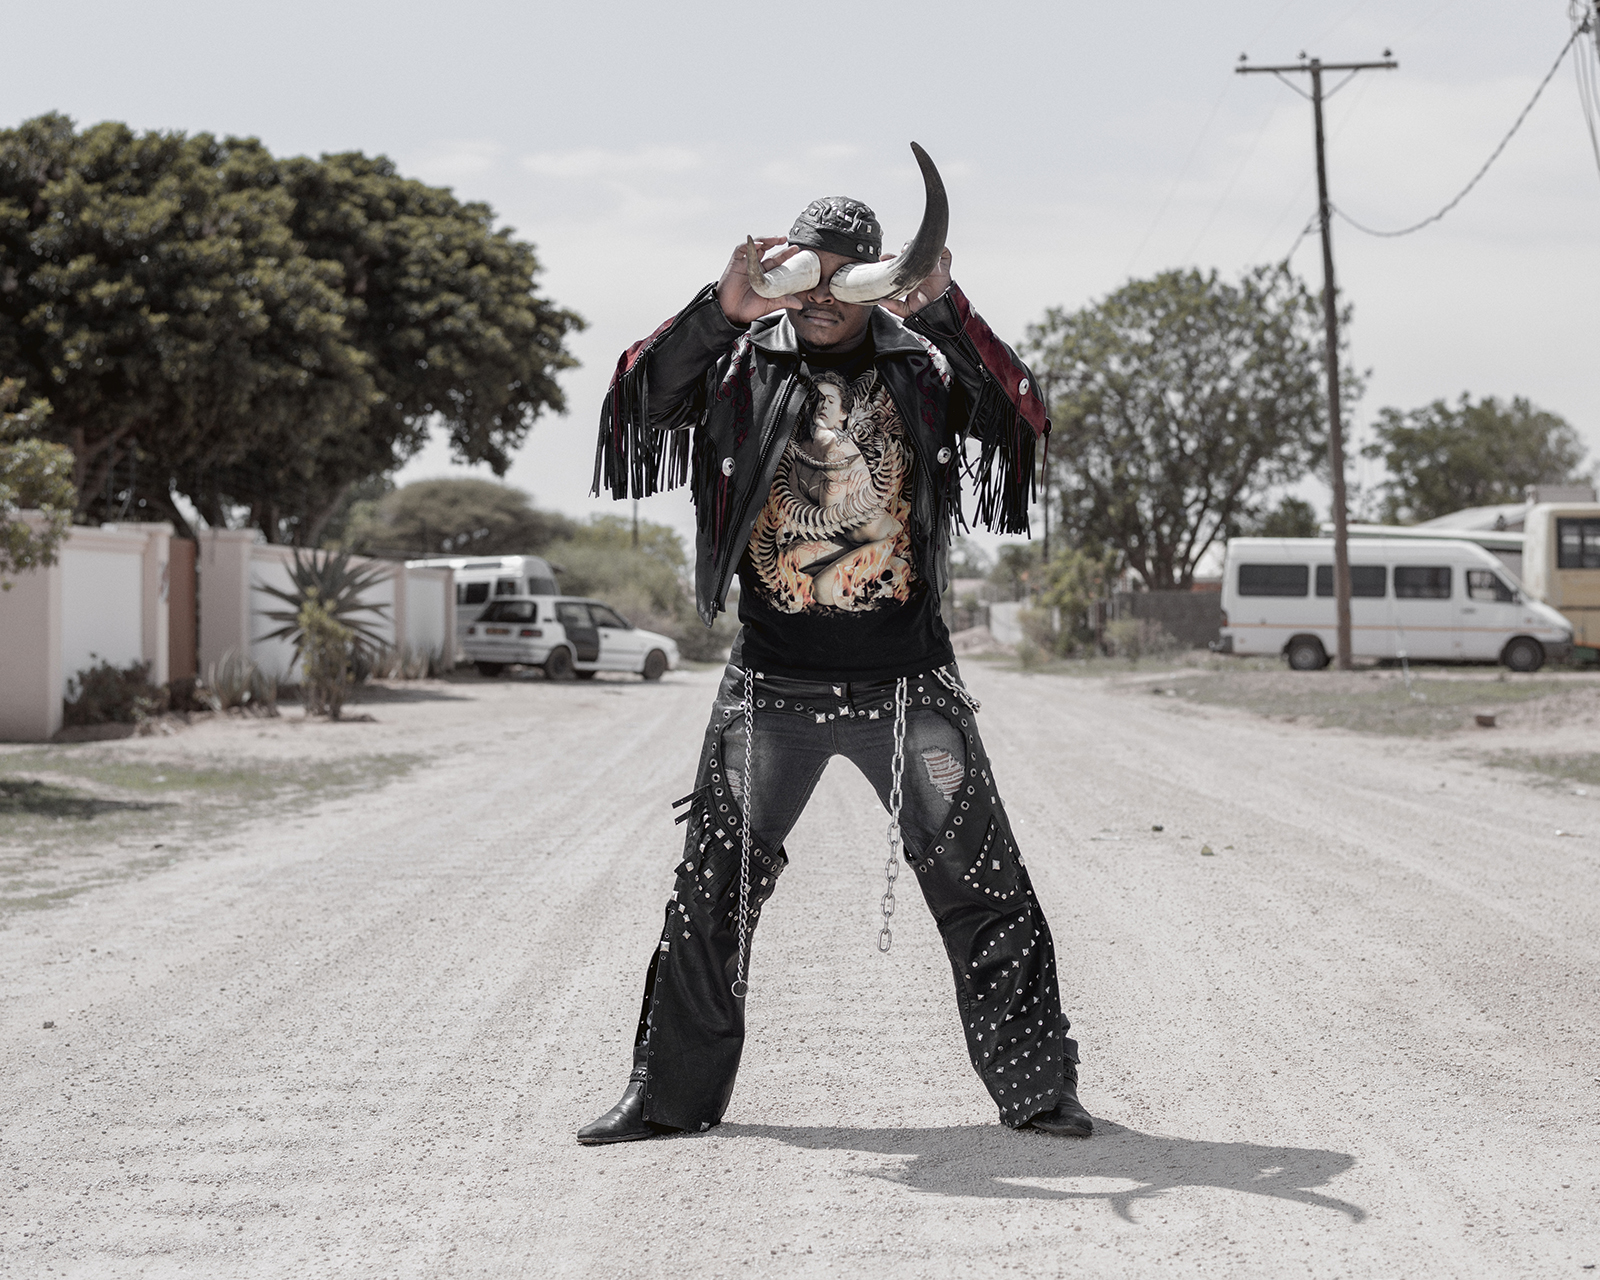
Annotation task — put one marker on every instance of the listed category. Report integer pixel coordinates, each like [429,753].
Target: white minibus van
[1429,601]
[479,579]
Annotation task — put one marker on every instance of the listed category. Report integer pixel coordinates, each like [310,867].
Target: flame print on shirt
[834,533]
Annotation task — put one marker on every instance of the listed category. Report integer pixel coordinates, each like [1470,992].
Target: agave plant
[330,581]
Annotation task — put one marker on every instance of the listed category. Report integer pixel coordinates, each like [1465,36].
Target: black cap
[838,224]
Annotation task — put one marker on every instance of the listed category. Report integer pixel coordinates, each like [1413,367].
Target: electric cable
[1304,232]
[1182,172]
[1588,76]
[1493,156]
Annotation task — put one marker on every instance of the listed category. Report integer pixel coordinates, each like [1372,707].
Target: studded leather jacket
[711,402]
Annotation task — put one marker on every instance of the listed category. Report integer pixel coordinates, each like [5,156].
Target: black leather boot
[1068,1119]
[625,1122]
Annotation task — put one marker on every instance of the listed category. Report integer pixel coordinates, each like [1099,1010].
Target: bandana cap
[838,224]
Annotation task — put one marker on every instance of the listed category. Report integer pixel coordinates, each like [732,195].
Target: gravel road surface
[354,1038]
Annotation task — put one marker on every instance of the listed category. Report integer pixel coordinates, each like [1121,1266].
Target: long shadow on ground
[992,1161]
[18,796]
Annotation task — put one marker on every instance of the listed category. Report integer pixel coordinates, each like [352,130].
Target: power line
[1310,179]
[1585,70]
[1177,181]
[1304,232]
[1493,156]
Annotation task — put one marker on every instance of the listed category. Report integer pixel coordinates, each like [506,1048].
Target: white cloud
[598,162]
[455,160]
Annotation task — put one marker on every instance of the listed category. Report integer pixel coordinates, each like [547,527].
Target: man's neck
[838,351]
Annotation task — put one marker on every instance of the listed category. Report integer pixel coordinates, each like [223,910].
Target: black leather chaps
[958,842]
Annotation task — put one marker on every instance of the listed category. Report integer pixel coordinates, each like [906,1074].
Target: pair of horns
[865,281]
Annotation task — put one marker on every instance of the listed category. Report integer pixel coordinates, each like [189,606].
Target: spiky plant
[336,586]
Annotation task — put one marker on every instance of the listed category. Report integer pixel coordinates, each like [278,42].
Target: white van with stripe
[1430,600]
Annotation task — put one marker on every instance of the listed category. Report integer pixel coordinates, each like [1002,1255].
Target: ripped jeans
[957,841]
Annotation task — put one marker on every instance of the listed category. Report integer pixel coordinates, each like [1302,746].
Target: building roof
[1500,517]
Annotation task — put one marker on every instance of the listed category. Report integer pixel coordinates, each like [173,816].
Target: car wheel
[655,665]
[558,666]
[1523,654]
[1307,654]
[489,670]
[586,675]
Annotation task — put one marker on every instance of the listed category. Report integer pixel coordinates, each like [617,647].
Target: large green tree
[1442,458]
[166,319]
[36,476]
[259,335]
[1179,403]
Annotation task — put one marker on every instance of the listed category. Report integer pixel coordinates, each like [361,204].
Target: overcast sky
[1081,144]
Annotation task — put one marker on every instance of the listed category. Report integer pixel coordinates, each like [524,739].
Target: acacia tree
[464,516]
[1442,458]
[1179,403]
[255,333]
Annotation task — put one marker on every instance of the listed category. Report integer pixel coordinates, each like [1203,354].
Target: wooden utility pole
[1330,320]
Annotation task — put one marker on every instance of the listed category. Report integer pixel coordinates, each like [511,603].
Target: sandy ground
[354,1039]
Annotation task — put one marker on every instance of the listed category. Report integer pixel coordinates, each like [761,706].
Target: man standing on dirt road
[819,400]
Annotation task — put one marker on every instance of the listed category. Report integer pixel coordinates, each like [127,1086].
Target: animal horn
[799,273]
[872,281]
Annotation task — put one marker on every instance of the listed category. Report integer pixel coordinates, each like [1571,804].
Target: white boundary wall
[104,598]
[233,566]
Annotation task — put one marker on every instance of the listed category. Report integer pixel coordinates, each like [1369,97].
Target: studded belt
[822,700]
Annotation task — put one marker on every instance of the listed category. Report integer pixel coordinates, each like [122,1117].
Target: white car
[567,637]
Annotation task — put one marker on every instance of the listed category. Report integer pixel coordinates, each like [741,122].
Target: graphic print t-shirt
[828,585]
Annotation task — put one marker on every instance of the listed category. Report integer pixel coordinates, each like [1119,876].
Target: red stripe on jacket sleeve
[1003,367]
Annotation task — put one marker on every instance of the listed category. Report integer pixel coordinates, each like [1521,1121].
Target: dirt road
[354,1038]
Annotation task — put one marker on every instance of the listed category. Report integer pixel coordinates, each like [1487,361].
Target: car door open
[583,635]
[619,646]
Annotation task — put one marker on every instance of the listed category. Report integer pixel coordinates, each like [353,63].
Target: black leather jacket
[737,391]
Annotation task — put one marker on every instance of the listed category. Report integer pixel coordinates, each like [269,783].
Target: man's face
[824,322]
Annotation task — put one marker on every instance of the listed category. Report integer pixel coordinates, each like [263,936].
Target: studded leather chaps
[957,841]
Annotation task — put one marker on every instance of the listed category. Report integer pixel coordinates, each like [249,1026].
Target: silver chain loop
[891,869]
[741,983]
[957,688]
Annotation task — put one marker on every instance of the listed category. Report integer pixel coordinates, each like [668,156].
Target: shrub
[325,648]
[405,663]
[328,579]
[235,681]
[1135,638]
[103,694]
[1039,637]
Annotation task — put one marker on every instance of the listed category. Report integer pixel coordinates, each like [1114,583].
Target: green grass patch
[87,817]
[1576,769]
[1364,702]
[1100,667]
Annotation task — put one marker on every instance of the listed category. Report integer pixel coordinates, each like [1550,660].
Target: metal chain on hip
[741,983]
[956,687]
[891,869]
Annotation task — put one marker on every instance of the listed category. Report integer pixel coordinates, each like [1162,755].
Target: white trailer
[1561,563]
[1433,600]
[480,579]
